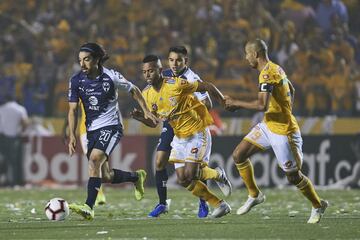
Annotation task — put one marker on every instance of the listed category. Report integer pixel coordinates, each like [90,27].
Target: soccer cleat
[159,209]
[316,213]
[224,184]
[250,203]
[223,209]
[100,199]
[83,210]
[139,185]
[203,209]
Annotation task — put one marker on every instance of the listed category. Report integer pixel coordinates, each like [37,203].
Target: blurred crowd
[316,41]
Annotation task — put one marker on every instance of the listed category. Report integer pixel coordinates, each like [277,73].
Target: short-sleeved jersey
[176,103]
[191,76]
[278,117]
[99,97]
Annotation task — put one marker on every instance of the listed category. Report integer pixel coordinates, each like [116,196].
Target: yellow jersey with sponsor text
[278,117]
[176,103]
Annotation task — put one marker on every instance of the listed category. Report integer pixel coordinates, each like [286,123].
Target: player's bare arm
[136,93]
[261,104]
[72,121]
[212,90]
[139,115]
[292,92]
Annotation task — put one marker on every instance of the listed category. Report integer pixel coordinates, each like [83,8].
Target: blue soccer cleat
[203,209]
[159,209]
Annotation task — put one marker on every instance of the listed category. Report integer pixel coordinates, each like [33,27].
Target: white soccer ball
[57,209]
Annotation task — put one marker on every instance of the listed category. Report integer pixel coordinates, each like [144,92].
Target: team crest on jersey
[106,86]
[154,107]
[183,82]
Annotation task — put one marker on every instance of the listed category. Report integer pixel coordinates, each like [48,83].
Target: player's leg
[100,199]
[288,151]
[96,159]
[253,143]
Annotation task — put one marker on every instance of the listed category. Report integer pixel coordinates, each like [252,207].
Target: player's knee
[183,181]
[238,156]
[294,178]
[160,164]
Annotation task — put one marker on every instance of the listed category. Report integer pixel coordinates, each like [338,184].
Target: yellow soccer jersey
[278,117]
[176,103]
[82,125]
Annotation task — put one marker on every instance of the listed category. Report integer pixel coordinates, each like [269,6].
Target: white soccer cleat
[316,213]
[223,209]
[224,184]
[250,203]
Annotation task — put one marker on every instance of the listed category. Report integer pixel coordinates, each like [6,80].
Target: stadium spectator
[13,121]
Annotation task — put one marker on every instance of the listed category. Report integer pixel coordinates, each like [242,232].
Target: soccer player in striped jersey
[279,130]
[96,87]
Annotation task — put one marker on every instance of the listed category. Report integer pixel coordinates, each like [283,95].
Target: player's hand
[136,114]
[229,104]
[152,117]
[72,145]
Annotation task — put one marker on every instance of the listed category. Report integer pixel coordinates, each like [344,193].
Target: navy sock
[93,187]
[122,176]
[161,178]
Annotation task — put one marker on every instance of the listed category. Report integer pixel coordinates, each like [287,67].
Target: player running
[279,130]
[96,86]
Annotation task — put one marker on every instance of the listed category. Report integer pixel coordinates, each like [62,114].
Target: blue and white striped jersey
[189,75]
[99,97]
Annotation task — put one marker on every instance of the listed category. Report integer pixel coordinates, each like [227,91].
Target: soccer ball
[57,209]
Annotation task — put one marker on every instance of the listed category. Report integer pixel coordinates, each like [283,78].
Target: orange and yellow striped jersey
[176,103]
[278,117]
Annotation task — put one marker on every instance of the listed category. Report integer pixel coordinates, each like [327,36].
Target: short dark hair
[150,58]
[179,49]
[96,51]
[260,46]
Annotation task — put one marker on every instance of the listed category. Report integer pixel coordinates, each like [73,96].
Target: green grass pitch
[282,216]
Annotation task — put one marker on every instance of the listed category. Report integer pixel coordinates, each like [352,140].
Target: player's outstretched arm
[136,94]
[212,90]
[72,124]
[261,104]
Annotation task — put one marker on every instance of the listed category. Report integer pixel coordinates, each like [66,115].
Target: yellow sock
[307,189]
[246,171]
[100,190]
[199,189]
[208,173]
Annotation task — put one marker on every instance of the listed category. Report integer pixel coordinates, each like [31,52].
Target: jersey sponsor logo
[93,102]
[266,76]
[170,81]
[106,86]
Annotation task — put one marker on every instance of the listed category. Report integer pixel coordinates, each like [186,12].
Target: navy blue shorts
[104,139]
[166,137]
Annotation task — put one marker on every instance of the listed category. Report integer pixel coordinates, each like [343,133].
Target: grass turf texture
[282,216]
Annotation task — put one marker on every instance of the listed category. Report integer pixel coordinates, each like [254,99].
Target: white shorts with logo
[196,149]
[287,148]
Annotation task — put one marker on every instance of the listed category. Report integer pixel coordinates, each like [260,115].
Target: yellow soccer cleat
[100,199]
[139,185]
[316,213]
[83,210]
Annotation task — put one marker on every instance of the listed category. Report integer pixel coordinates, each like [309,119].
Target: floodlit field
[282,216]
